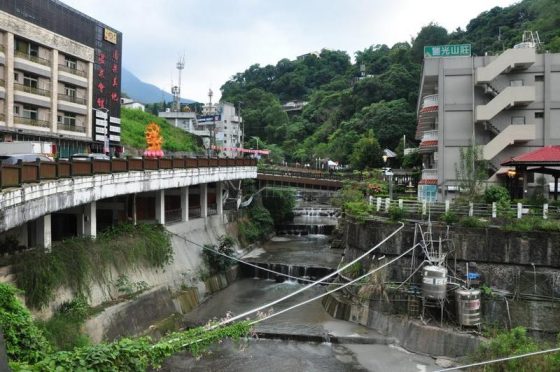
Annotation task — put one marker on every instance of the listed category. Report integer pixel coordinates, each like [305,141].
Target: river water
[304,339]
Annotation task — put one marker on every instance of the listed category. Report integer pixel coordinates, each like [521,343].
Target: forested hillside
[362,107]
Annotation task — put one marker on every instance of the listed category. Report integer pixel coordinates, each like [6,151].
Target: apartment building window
[30,81]
[517,120]
[70,90]
[30,112]
[539,114]
[67,118]
[16,76]
[26,47]
[539,77]
[16,110]
[71,63]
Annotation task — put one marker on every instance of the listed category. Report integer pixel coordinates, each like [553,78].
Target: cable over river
[303,339]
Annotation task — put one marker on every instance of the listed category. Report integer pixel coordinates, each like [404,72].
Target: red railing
[16,175]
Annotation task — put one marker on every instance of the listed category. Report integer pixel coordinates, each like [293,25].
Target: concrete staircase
[509,97]
[508,60]
[510,135]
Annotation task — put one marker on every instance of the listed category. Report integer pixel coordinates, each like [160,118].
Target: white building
[132,104]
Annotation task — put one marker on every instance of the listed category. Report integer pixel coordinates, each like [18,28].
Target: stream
[306,338]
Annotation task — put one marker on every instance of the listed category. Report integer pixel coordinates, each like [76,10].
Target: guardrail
[480,210]
[16,175]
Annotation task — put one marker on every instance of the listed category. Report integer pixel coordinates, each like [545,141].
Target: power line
[319,281]
[505,359]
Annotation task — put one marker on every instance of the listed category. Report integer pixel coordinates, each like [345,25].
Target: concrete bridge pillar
[203,200]
[185,203]
[219,198]
[160,206]
[90,220]
[44,236]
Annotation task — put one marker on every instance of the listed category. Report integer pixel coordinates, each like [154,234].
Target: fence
[481,210]
[16,175]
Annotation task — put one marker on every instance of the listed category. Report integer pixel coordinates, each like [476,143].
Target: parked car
[26,158]
[97,156]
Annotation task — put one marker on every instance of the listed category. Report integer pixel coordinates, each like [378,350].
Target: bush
[396,213]
[496,194]
[449,217]
[473,222]
[280,204]
[25,342]
[215,262]
[358,209]
[515,342]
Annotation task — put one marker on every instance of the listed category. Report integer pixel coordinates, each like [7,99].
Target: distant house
[130,103]
[293,106]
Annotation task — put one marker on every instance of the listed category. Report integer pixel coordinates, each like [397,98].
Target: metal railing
[31,58]
[33,90]
[29,121]
[421,210]
[71,70]
[173,215]
[16,175]
[74,99]
[71,128]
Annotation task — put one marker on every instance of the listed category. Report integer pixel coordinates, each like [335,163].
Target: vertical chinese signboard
[107,87]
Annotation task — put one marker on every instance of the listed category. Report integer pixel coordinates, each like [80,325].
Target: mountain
[143,92]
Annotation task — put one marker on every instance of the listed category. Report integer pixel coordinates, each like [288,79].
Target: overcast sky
[222,37]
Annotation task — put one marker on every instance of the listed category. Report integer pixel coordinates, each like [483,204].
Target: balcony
[508,60]
[429,177]
[73,99]
[31,58]
[430,103]
[32,90]
[33,122]
[429,141]
[509,97]
[73,71]
[71,128]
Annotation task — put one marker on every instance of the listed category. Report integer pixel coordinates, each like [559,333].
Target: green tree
[471,172]
[367,153]
[432,34]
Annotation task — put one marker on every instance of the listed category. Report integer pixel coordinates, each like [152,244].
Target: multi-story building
[60,75]
[507,104]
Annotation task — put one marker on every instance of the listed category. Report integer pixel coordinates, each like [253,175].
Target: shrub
[396,213]
[449,217]
[474,222]
[25,342]
[215,262]
[495,194]
[358,209]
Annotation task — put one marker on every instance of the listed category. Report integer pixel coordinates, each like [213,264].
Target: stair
[510,135]
[508,60]
[510,96]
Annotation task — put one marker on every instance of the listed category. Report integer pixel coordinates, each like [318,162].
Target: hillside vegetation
[356,109]
[133,125]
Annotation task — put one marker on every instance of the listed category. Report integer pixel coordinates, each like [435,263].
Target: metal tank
[468,306]
[434,282]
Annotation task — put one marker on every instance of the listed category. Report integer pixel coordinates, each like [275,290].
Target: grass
[134,123]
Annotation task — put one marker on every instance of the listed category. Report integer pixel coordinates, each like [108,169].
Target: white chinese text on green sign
[458,50]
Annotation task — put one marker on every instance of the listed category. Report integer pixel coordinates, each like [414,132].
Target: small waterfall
[287,273]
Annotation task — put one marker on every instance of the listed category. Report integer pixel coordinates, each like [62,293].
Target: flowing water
[306,338]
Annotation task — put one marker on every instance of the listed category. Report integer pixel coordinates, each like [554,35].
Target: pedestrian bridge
[31,192]
[303,179]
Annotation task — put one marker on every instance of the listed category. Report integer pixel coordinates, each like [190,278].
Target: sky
[220,38]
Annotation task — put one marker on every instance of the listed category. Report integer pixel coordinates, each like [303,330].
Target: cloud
[221,38]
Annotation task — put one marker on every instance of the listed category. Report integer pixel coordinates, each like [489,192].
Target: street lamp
[511,173]
[389,174]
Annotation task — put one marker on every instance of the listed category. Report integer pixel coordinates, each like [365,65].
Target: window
[34,50]
[16,76]
[518,120]
[69,90]
[516,83]
[16,110]
[539,77]
[67,118]
[30,112]
[539,114]
[71,63]
[30,81]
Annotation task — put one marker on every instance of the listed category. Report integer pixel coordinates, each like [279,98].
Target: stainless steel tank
[434,282]
[468,306]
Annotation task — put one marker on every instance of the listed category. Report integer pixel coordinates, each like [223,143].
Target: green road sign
[459,50]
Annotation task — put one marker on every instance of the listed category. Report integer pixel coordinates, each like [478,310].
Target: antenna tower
[176,90]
